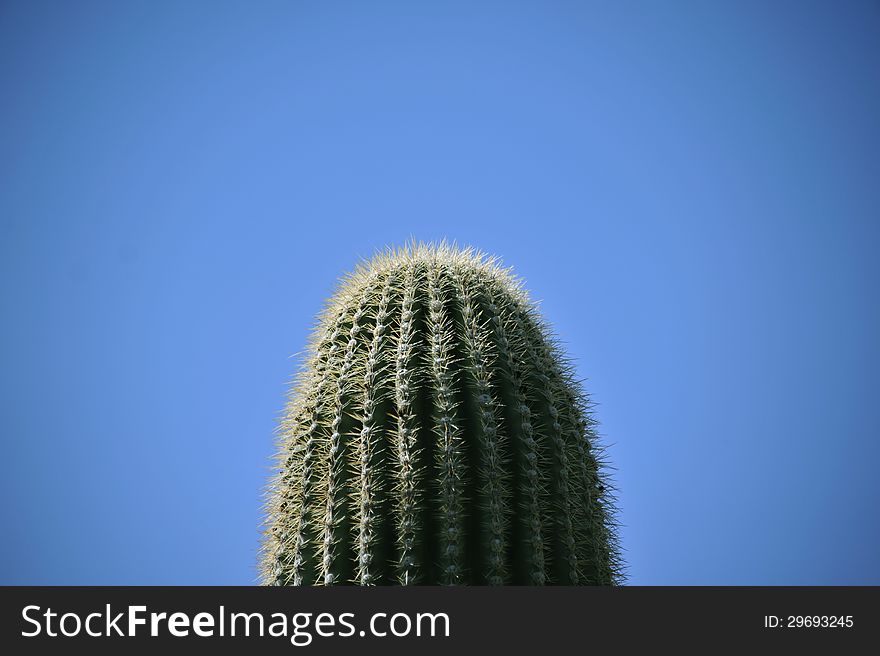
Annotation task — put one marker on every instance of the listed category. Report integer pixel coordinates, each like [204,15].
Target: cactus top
[436,435]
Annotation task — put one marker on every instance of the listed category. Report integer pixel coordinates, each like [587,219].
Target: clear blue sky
[692,189]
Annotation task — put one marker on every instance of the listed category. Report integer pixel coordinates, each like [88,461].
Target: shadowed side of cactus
[437,436]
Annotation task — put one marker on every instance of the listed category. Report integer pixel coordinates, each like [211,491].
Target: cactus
[436,436]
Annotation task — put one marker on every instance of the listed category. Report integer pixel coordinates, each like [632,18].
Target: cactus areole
[436,436]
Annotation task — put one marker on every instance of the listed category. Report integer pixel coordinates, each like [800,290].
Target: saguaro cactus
[437,436]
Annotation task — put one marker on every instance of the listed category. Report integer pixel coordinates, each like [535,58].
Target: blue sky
[690,189]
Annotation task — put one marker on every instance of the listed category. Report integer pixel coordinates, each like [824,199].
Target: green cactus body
[437,436]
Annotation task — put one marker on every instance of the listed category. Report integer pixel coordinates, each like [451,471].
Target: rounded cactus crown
[436,435]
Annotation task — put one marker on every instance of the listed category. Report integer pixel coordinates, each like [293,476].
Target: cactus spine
[437,436]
